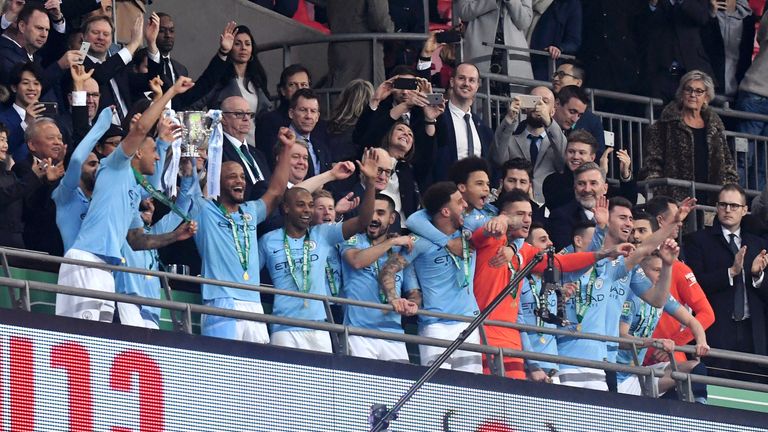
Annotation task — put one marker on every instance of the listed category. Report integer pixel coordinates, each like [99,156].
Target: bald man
[542,141]
[236,122]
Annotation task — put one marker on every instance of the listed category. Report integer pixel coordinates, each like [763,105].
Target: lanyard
[583,305]
[537,299]
[305,264]
[156,194]
[243,251]
[647,317]
[465,258]
[331,279]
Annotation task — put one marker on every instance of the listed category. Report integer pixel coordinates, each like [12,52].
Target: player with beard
[296,254]
[73,194]
[602,290]
[227,245]
[115,198]
[490,279]
[363,255]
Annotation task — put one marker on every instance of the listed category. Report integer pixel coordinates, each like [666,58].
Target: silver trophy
[196,129]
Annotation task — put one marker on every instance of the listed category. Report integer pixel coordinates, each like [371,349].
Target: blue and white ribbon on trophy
[215,153]
[172,172]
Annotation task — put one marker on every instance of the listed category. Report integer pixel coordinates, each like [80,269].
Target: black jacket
[13,190]
[253,191]
[40,230]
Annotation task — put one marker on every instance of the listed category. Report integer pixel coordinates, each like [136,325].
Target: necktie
[738,284]
[167,72]
[251,161]
[314,168]
[534,147]
[470,138]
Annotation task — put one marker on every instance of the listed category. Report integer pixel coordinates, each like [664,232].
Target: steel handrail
[725,354]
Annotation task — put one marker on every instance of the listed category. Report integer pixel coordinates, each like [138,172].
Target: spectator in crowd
[364,254]
[296,240]
[168,69]
[459,132]
[384,168]
[111,200]
[292,79]
[542,141]
[304,112]
[728,263]
[112,72]
[517,173]
[242,76]
[109,141]
[402,185]
[673,44]
[610,48]
[571,73]
[753,97]
[233,254]
[557,31]
[684,286]
[34,32]
[570,104]
[342,120]
[84,104]
[688,141]
[236,120]
[589,185]
[352,60]
[729,39]
[14,190]
[27,88]
[581,148]
[407,17]
[500,22]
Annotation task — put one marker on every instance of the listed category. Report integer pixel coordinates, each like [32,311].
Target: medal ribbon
[305,264]
[331,279]
[583,305]
[243,251]
[465,258]
[157,195]
[646,320]
[535,291]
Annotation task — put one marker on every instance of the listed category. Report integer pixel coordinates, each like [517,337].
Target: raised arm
[71,178]
[139,240]
[279,181]
[340,171]
[361,258]
[655,240]
[141,128]
[369,170]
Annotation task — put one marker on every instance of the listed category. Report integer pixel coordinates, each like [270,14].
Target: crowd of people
[396,197]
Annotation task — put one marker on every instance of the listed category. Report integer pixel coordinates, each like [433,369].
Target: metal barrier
[343,331]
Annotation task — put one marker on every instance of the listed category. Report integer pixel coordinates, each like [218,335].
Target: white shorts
[466,361]
[378,349]
[233,328]
[587,378]
[85,277]
[313,340]
[130,315]
[632,385]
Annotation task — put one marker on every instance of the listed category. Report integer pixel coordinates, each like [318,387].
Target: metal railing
[341,332]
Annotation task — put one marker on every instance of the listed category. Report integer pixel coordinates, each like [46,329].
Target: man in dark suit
[304,112]
[673,44]
[589,185]
[292,79]
[112,72]
[236,118]
[571,73]
[459,132]
[168,69]
[728,263]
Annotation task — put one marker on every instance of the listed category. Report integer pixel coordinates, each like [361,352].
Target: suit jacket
[551,156]
[253,191]
[559,25]
[561,222]
[16,145]
[482,19]
[445,153]
[319,141]
[708,255]
[40,230]
[268,124]
[113,68]
[558,189]
[12,54]
[591,123]
[156,69]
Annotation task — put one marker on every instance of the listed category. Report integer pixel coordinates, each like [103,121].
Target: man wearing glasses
[571,73]
[236,121]
[729,263]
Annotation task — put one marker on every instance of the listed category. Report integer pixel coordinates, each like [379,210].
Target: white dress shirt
[460,128]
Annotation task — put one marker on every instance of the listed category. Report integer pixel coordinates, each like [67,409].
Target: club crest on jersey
[625,279]
[247,217]
[598,283]
[312,245]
